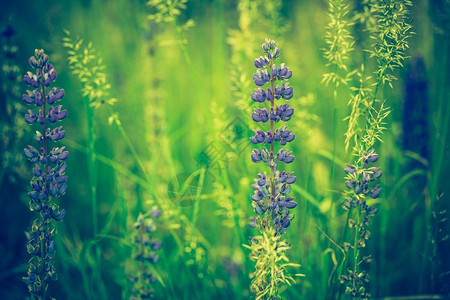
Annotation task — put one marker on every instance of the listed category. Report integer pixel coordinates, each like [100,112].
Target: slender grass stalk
[443,123]
[92,174]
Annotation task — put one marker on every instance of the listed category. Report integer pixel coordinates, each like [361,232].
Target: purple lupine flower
[270,199]
[145,247]
[49,179]
[360,182]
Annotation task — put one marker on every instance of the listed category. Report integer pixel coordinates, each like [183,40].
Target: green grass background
[174,111]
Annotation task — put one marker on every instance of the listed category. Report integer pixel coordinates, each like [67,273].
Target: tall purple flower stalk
[270,200]
[144,255]
[271,192]
[361,186]
[49,180]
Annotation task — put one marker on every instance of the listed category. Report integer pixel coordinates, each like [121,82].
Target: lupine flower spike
[49,179]
[271,201]
[145,255]
[361,187]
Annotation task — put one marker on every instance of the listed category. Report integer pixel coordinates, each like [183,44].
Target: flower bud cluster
[280,203]
[283,136]
[49,179]
[271,192]
[361,185]
[144,254]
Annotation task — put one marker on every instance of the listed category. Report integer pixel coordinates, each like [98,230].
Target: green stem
[92,171]
[186,53]
[272,177]
[197,200]
[439,151]
[44,237]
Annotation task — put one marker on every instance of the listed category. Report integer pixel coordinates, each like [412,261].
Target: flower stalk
[49,180]
[270,201]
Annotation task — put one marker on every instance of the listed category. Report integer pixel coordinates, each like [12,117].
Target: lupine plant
[144,255]
[388,26]
[361,186]
[49,180]
[270,200]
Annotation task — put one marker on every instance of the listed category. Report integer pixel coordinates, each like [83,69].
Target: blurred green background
[184,102]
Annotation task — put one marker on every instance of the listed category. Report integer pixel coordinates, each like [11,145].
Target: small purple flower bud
[31,117]
[257,196]
[57,134]
[51,246]
[256,116]
[156,245]
[276,136]
[54,95]
[276,53]
[289,159]
[285,189]
[261,62]
[291,205]
[287,92]
[53,189]
[351,169]
[259,210]
[52,75]
[256,156]
[262,179]
[376,174]
[62,189]
[44,59]
[33,63]
[64,155]
[269,137]
[269,95]
[37,171]
[60,215]
[46,212]
[283,72]
[33,195]
[259,95]
[28,99]
[27,79]
[274,71]
[375,192]
[30,152]
[350,184]
[372,158]
[261,77]
[37,98]
[285,223]
[155,213]
[290,179]
[46,80]
[265,155]
[252,224]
